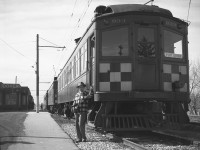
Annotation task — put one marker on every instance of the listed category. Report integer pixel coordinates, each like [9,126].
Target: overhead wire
[71,16]
[69,22]
[21,42]
[73,9]
[48,41]
[81,18]
[89,2]
[76,28]
[14,49]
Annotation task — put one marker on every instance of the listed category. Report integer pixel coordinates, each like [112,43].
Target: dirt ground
[11,126]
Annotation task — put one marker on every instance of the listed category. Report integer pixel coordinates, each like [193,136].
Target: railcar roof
[134,8]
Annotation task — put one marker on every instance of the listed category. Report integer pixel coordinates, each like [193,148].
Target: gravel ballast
[98,141]
[95,140]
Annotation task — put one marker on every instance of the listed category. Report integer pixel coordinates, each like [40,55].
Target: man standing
[80,111]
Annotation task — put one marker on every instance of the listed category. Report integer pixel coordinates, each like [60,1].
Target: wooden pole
[37,74]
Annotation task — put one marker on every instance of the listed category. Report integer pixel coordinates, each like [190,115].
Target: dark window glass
[115,42]
[173,45]
[146,42]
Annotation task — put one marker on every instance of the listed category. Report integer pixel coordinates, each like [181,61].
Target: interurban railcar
[51,96]
[136,59]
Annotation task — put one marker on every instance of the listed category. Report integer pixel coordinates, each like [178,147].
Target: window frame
[77,61]
[129,42]
[83,58]
[183,45]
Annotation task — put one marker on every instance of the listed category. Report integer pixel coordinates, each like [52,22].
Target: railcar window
[61,81]
[77,64]
[92,49]
[83,57]
[173,44]
[67,75]
[58,84]
[115,42]
[85,62]
[74,60]
[70,72]
[146,42]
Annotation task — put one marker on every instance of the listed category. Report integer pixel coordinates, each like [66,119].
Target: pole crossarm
[53,46]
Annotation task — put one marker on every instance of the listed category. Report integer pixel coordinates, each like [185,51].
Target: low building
[15,97]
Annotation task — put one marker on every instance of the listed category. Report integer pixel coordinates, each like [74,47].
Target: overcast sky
[59,22]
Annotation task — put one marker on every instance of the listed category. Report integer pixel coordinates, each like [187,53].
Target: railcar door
[146,58]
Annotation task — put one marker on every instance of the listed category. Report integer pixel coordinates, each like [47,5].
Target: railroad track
[126,142]
[147,140]
[118,138]
[144,140]
[156,139]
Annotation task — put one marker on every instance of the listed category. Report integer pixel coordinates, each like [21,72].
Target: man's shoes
[77,141]
[84,140]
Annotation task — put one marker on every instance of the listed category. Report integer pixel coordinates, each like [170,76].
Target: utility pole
[37,73]
[37,69]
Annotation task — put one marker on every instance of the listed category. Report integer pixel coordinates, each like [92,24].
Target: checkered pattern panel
[172,73]
[115,77]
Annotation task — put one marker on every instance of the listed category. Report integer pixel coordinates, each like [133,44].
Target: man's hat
[81,84]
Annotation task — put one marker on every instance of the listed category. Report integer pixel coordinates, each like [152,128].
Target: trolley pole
[37,73]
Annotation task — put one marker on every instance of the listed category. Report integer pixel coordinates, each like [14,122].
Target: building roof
[4,86]
[23,89]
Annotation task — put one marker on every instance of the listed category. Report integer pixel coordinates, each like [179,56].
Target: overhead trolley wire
[73,9]
[69,22]
[71,16]
[48,41]
[79,21]
[76,27]
[81,18]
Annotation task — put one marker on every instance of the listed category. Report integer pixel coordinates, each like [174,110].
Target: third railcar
[136,59]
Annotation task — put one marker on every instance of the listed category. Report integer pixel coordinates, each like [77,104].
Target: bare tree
[194,87]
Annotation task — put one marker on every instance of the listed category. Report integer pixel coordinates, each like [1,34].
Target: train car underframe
[138,115]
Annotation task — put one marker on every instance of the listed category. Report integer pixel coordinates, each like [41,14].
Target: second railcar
[52,96]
